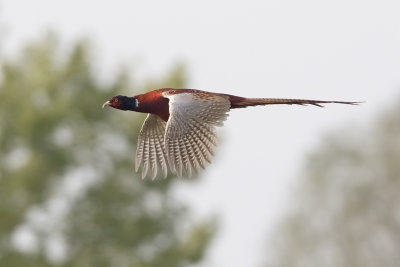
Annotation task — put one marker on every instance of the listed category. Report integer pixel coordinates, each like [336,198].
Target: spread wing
[150,152]
[190,131]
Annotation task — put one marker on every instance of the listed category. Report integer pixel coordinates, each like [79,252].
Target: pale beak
[108,103]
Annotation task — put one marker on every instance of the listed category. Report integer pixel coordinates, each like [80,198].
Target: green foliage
[66,171]
[347,207]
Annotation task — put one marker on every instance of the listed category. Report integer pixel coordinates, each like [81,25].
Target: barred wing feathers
[190,135]
[150,152]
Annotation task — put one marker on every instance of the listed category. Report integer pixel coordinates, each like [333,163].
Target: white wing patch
[150,152]
[190,131]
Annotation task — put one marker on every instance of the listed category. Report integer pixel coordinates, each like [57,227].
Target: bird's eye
[116,100]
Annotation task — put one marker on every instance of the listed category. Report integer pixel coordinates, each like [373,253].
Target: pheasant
[179,131]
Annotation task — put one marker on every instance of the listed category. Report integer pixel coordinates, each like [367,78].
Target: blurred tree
[68,192]
[347,209]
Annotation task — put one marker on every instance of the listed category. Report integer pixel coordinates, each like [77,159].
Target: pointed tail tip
[338,102]
[321,104]
[351,102]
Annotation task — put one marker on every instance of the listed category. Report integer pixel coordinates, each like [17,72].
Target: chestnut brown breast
[153,102]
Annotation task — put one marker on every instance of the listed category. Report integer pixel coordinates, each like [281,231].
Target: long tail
[242,102]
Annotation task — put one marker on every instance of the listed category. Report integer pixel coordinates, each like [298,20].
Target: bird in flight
[180,129]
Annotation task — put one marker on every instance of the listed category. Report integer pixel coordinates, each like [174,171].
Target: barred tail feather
[242,102]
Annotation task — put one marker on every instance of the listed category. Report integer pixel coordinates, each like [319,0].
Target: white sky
[343,50]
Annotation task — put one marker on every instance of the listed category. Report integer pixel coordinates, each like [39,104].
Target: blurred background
[289,186]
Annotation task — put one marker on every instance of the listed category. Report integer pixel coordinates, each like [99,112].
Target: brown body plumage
[179,131]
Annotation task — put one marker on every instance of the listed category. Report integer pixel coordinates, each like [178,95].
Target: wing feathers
[190,132]
[150,153]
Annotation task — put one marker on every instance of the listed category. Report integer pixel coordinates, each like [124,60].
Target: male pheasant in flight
[179,130]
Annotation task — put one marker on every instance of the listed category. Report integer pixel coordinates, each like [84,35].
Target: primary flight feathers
[179,131]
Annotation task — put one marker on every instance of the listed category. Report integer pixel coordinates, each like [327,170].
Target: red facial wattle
[115,102]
